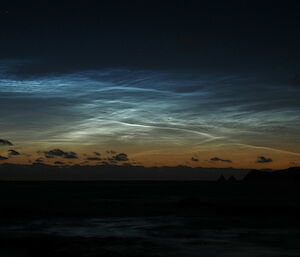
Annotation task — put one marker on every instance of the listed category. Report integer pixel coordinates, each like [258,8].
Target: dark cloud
[70,155]
[111,152]
[121,157]
[59,163]
[2,158]
[104,163]
[5,142]
[39,160]
[49,156]
[55,152]
[13,152]
[96,153]
[60,153]
[217,159]
[194,159]
[262,159]
[93,159]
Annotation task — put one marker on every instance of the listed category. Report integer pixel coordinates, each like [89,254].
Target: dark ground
[233,218]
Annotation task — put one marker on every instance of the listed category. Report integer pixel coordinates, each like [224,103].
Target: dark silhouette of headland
[136,211]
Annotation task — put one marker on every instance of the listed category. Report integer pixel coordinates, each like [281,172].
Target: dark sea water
[149,219]
[147,236]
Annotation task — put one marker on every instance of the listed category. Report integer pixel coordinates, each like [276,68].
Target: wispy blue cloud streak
[149,107]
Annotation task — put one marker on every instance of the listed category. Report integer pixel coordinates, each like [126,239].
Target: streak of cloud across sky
[164,91]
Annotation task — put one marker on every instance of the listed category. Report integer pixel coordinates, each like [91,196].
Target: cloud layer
[217,159]
[60,153]
[148,110]
[5,142]
[262,159]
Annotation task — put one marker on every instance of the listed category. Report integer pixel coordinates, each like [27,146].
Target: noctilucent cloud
[156,117]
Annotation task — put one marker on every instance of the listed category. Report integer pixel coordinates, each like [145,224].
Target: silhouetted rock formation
[221,179]
[279,176]
[232,179]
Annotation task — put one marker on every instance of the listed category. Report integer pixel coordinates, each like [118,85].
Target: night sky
[197,83]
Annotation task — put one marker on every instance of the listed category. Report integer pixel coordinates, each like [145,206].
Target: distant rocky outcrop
[221,179]
[232,179]
[287,175]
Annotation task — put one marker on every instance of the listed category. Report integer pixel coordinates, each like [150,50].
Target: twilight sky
[181,83]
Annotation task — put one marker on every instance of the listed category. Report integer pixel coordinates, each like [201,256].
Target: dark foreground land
[258,216]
